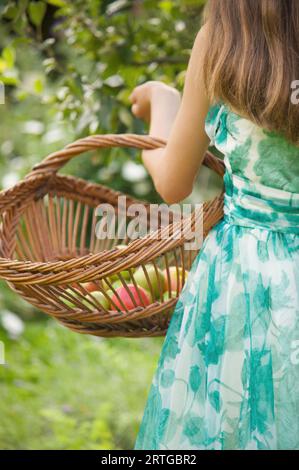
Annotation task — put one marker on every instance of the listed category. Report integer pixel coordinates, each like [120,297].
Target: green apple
[156,279]
[70,294]
[115,279]
[125,274]
[97,296]
[166,296]
[117,284]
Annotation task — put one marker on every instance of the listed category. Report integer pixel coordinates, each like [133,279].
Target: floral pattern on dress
[228,374]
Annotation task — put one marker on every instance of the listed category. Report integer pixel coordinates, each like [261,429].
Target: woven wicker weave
[49,250]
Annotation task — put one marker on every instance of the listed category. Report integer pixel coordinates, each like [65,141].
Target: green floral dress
[228,375]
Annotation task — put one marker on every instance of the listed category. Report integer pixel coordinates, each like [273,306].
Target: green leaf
[38,86]
[9,56]
[37,12]
[3,65]
[57,3]
[166,6]
[125,117]
[11,12]
[9,80]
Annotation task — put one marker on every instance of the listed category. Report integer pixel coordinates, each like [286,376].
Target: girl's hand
[144,95]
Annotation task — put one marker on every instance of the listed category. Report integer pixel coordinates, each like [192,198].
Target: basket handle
[57,160]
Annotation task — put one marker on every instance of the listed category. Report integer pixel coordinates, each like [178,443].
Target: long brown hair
[252,58]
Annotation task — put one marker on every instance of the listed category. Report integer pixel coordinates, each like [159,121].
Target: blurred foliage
[71,65]
[68,68]
[65,391]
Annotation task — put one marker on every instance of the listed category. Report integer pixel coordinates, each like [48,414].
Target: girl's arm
[181,122]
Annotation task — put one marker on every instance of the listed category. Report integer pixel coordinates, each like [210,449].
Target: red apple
[90,286]
[140,296]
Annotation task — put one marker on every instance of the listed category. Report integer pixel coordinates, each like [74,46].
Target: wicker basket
[51,256]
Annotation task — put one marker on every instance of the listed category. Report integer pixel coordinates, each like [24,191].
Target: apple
[86,286]
[90,286]
[98,296]
[115,279]
[156,279]
[125,297]
[70,294]
[176,278]
[125,274]
[117,284]
[166,296]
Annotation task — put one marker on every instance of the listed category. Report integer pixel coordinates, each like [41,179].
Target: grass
[61,390]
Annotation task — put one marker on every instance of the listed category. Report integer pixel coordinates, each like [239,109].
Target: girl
[228,375]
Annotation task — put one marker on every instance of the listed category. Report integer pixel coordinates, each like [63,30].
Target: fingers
[135,100]
[138,92]
[140,102]
[132,97]
[135,109]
